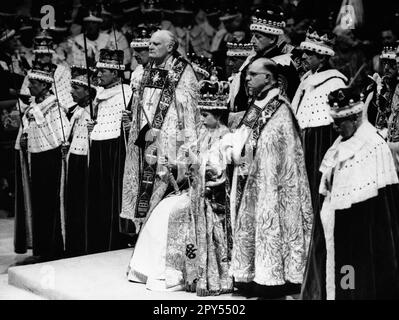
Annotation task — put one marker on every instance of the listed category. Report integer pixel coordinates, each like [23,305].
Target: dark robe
[76,205]
[356,234]
[104,226]
[46,219]
[367,238]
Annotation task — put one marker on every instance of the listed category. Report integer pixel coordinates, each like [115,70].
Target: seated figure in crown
[186,242]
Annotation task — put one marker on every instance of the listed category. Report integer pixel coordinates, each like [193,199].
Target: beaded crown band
[321,44]
[239,49]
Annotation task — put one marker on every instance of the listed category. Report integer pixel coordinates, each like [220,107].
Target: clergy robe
[272,216]
[185,95]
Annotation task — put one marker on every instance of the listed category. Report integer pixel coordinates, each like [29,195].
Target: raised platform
[93,277]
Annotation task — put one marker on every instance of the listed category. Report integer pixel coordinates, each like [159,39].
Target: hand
[64,149]
[90,125]
[126,119]
[23,142]
[229,155]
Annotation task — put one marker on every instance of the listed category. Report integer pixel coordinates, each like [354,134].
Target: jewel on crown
[315,37]
[213,92]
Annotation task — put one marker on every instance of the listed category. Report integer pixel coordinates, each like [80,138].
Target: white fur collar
[110,92]
[313,79]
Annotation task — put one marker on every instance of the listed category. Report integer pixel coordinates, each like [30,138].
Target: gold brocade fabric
[198,249]
[274,221]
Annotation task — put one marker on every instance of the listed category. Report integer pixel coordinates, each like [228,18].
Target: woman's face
[209,120]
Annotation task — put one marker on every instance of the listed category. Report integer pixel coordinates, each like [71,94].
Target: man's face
[390,69]
[159,47]
[141,55]
[263,41]
[79,93]
[388,37]
[92,30]
[310,60]
[257,78]
[345,127]
[233,64]
[36,87]
[106,77]
[44,57]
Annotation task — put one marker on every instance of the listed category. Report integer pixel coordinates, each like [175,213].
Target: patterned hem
[244,277]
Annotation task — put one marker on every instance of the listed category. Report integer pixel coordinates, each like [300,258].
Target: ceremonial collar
[341,151]
[313,79]
[108,93]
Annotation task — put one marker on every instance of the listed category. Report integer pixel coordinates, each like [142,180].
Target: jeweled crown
[213,95]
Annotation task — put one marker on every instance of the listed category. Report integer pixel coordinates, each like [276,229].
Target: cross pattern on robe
[263,117]
[147,178]
[156,78]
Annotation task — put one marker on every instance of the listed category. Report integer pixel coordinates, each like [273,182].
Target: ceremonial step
[93,277]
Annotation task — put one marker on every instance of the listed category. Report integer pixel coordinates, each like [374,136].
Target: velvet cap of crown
[235,49]
[213,95]
[319,42]
[42,71]
[345,102]
[79,76]
[201,64]
[43,43]
[269,20]
[111,59]
[389,53]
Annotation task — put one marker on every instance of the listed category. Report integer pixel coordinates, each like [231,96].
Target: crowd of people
[235,150]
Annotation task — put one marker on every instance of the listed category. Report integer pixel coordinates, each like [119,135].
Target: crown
[213,95]
[235,49]
[322,44]
[43,43]
[201,64]
[79,75]
[345,102]
[269,21]
[144,35]
[389,52]
[111,59]
[42,71]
